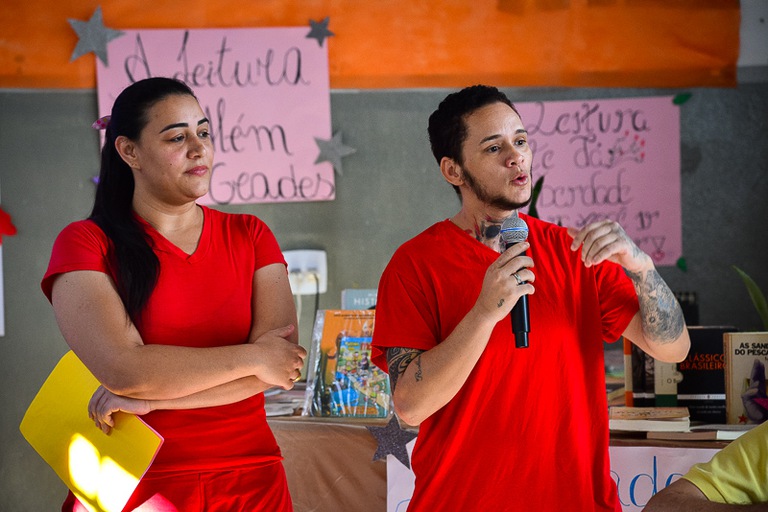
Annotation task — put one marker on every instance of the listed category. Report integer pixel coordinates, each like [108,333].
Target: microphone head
[514,230]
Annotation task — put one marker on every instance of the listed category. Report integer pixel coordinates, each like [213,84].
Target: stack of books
[649,419]
[708,432]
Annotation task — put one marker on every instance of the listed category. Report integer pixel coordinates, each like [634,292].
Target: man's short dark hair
[447,129]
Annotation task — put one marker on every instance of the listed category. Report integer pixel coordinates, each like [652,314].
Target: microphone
[515,230]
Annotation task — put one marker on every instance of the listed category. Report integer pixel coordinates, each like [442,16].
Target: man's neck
[483,227]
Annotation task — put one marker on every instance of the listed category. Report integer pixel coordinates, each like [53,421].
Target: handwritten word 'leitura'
[589,118]
[272,68]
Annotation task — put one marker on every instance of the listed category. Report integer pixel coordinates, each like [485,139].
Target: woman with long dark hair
[183,313]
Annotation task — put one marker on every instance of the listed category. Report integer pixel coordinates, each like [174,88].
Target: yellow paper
[101,470]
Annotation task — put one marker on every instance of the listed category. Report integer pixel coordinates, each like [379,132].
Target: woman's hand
[280,360]
[104,404]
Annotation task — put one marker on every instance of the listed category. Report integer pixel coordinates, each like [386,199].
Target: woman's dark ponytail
[137,266]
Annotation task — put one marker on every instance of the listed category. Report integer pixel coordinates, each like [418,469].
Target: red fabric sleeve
[82,245]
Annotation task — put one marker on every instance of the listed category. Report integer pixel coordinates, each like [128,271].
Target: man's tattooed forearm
[398,359]
[659,310]
[418,375]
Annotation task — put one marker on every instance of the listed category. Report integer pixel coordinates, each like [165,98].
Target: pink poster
[265,92]
[611,159]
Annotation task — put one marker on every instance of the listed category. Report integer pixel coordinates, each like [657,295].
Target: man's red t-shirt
[529,428]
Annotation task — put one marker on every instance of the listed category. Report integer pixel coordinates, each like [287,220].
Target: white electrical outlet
[307,269]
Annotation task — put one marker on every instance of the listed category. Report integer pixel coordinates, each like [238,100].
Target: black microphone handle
[521,321]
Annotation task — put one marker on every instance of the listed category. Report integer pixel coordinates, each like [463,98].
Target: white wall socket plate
[304,266]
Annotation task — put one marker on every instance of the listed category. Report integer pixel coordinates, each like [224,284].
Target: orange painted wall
[413,43]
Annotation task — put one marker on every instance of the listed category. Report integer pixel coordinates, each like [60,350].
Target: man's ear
[126,148]
[451,171]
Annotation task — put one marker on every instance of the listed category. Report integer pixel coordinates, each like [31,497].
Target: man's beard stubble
[492,199]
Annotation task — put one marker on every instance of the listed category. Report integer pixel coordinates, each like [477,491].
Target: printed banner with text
[639,473]
[265,91]
[611,159]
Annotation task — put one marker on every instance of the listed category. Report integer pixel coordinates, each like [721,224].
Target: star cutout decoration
[333,151]
[6,226]
[319,30]
[392,440]
[94,36]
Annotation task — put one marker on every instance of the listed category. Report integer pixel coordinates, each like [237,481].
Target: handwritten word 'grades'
[272,68]
[260,186]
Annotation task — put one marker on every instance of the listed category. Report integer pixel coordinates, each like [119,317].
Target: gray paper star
[94,36]
[319,30]
[392,440]
[333,151]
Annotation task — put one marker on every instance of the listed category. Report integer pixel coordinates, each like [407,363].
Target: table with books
[330,467]
[329,451]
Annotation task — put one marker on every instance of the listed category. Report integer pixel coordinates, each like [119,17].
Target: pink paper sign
[613,159]
[265,91]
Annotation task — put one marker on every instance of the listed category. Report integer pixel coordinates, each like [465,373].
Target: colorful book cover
[342,380]
[359,388]
[746,358]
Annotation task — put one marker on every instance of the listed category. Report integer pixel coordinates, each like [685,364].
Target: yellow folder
[101,470]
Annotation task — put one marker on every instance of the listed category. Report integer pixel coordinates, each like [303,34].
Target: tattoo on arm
[398,359]
[660,312]
[418,369]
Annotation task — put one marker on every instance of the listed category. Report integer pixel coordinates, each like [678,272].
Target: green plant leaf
[532,211]
[758,299]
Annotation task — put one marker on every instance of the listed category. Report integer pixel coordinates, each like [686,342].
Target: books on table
[647,419]
[702,388]
[745,357]
[342,381]
[358,298]
[706,432]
